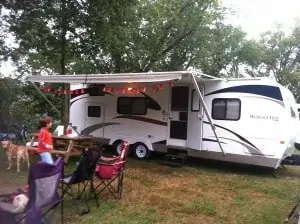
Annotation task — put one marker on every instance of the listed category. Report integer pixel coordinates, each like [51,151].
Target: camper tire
[141,151]
[117,145]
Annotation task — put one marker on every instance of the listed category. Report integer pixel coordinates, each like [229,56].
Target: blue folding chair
[43,181]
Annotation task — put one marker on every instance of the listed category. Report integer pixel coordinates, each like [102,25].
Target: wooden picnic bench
[66,146]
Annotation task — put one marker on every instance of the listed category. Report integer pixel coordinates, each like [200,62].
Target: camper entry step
[175,160]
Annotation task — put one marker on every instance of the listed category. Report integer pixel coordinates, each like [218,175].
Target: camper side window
[132,105]
[94,111]
[195,105]
[226,109]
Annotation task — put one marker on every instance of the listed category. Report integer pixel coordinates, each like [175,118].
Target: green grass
[201,206]
[202,193]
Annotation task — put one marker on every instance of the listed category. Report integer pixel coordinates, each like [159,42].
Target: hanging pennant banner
[171,84]
[155,88]
[123,90]
[59,91]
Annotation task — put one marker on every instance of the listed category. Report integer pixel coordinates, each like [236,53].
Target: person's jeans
[46,157]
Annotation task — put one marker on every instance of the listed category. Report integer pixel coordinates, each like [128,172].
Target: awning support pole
[48,101]
[206,112]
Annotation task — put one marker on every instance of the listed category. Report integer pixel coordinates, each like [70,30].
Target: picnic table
[66,146]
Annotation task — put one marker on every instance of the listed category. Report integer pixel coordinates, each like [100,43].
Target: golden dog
[15,151]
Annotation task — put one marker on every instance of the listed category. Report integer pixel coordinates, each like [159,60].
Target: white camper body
[298,109]
[248,121]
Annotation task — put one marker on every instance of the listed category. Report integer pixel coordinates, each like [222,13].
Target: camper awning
[109,78]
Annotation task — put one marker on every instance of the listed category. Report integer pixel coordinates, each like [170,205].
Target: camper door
[94,114]
[195,121]
[178,121]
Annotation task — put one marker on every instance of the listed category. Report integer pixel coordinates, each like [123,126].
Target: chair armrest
[7,195]
[8,198]
[108,163]
[66,176]
[17,192]
[108,158]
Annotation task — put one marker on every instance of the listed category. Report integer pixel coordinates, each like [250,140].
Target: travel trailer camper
[245,120]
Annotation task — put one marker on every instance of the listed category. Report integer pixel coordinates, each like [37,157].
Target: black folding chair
[42,192]
[82,176]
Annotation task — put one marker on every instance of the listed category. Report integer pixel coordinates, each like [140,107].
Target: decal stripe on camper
[164,142]
[88,130]
[263,90]
[71,103]
[236,134]
[143,119]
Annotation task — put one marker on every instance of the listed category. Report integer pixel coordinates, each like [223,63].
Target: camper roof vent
[96,90]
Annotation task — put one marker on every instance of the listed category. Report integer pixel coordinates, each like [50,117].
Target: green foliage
[20,102]
[99,36]
[224,45]
[275,54]
[121,36]
[8,95]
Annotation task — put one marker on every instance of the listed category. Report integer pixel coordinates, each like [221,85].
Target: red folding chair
[110,172]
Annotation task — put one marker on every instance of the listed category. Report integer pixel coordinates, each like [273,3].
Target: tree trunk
[65,111]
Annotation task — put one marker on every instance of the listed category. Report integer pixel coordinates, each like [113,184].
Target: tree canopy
[100,36]
[275,54]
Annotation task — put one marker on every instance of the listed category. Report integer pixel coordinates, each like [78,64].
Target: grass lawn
[204,193]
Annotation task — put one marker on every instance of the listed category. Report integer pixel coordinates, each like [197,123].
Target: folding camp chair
[294,214]
[42,192]
[83,175]
[110,170]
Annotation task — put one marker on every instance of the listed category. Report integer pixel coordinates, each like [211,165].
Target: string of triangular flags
[61,91]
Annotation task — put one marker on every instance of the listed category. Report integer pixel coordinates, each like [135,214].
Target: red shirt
[44,140]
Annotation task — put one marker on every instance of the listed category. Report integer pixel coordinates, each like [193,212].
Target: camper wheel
[117,146]
[141,151]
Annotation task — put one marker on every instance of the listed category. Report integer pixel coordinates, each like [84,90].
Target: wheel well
[117,141]
[133,143]
[112,145]
[142,143]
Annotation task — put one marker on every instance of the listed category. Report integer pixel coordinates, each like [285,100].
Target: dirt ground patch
[10,180]
[7,187]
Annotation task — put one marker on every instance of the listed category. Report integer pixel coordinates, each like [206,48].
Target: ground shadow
[225,167]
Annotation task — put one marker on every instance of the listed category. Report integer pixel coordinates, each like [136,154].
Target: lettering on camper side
[264,117]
